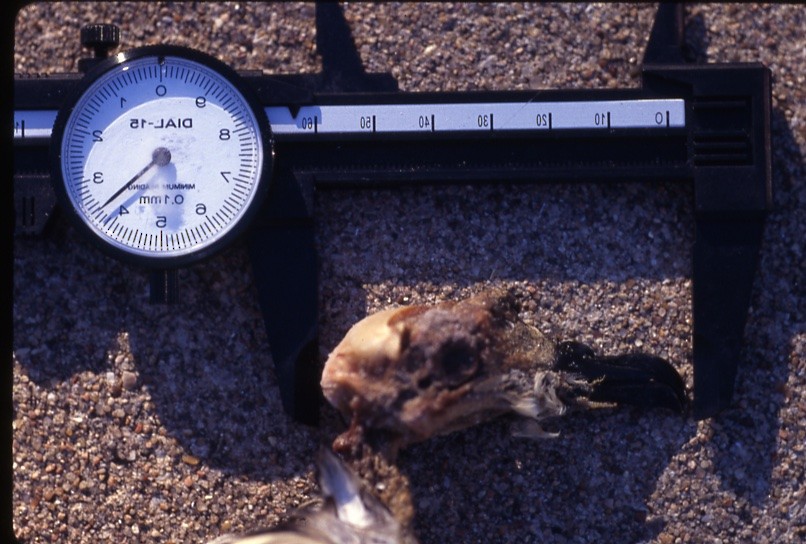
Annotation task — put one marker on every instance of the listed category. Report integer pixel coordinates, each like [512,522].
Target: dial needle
[160,157]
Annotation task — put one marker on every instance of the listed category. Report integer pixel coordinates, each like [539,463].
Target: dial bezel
[206,248]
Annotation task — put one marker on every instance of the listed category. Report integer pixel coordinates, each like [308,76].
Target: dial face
[162,157]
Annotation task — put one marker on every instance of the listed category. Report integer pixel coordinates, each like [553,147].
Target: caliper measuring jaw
[730,160]
[706,124]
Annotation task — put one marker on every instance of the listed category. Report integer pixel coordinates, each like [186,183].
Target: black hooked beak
[637,379]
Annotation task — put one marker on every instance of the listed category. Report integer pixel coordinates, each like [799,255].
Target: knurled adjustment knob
[101,38]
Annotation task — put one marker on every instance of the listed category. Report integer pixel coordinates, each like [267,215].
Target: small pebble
[128,380]
[190,460]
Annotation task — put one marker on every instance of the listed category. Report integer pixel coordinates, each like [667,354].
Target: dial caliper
[162,155]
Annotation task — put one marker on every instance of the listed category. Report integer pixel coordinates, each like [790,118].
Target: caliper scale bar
[394,119]
[705,124]
[493,116]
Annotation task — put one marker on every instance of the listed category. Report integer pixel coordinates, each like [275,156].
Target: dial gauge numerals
[161,156]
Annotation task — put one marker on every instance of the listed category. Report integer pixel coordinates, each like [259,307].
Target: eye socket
[458,359]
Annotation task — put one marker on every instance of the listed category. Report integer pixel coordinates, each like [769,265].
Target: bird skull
[414,372]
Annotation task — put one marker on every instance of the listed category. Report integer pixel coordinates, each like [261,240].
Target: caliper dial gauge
[162,155]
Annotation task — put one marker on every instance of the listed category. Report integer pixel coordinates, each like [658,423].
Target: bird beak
[635,379]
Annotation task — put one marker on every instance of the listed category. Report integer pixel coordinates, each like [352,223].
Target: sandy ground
[144,423]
